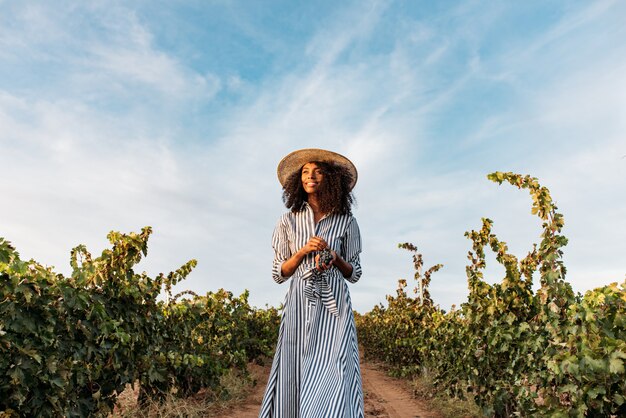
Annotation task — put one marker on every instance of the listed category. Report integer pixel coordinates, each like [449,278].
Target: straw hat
[294,161]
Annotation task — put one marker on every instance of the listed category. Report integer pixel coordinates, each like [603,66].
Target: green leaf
[595,364]
[616,365]
[594,392]
[58,382]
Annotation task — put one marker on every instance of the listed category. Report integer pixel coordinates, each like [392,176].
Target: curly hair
[334,195]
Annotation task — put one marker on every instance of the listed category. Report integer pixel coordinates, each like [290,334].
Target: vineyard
[70,345]
[514,351]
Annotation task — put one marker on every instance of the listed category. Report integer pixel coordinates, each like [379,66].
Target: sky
[115,115]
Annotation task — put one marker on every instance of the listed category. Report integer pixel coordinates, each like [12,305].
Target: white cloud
[80,169]
[129,55]
[95,51]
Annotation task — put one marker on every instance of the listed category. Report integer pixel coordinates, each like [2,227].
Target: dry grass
[204,404]
[448,407]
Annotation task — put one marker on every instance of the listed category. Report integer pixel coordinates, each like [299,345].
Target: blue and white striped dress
[315,373]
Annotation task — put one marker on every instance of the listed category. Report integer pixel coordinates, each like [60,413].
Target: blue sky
[116,115]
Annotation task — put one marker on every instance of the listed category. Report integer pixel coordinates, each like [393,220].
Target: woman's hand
[314,244]
[290,266]
[321,266]
[344,267]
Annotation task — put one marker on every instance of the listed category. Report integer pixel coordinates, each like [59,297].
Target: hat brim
[294,161]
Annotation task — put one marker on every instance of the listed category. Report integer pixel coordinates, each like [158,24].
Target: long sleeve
[280,244]
[351,248]
[315,372]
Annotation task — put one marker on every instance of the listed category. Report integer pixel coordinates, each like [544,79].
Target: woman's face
[312,177]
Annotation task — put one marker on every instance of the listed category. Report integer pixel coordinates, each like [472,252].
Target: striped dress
[315,373]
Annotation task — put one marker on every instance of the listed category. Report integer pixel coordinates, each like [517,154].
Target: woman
[315,373]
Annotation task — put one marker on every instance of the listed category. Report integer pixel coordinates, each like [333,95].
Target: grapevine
[514,351]
[70,345]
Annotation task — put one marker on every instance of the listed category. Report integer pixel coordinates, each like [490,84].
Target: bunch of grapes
[325,256]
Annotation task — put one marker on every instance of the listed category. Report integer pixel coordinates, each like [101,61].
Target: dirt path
[251,406]
[385,397]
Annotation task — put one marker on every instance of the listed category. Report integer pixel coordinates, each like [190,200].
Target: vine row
[70,345]
[515,351]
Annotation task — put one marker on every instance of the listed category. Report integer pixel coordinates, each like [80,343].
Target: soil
[385,397]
